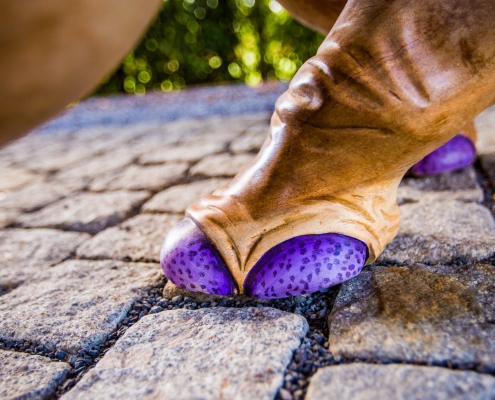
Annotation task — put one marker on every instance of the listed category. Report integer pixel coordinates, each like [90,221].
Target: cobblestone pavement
[86,313]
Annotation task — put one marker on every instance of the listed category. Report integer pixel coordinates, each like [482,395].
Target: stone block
[420,314]
[7,217]
[461,185]
[251,140]
[440,232]
[485,125]
[369,382]
[219,353]
[25,376]
[192,151]
[135,177]
[137,239]
[87,212]
[175,199]
[27,253]
[37,195]
[222,164]
[76,304]
[15,178]
[107,163]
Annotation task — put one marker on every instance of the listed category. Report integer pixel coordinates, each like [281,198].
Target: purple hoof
[456,154]
[191,261]
[306,264]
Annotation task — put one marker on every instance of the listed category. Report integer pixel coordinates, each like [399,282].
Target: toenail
[323,260]
[203,269]
[456,154]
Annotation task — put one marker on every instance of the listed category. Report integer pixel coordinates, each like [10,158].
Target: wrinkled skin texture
[392,82]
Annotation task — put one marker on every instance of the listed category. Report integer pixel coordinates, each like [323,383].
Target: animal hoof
[306,264]
[191,261]
[456,154]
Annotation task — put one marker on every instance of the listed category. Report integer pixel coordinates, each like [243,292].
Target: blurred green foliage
[212,42]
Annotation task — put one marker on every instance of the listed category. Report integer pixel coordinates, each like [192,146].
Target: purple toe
[306,264]
[190,260]
[456,154]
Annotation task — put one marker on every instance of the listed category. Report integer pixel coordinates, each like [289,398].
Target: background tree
[195,42]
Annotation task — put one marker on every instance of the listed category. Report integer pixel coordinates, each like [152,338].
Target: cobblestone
[13,179]
[87,212]
[137,239]
[252,139]
[25,254]
[176,198]
[76,304]
[155,177]
[370,382]
[24,376]
[207,354]
[194,151]
[441,315]
[97,166]
[7,217]
[460,185]
[222,165]
[441,232]
[37,195]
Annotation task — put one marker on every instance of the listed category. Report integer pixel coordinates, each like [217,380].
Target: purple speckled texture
[191,261]
[306,264]
[456,154]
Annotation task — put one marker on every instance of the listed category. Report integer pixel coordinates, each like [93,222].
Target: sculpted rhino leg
[454,155]
[392,82]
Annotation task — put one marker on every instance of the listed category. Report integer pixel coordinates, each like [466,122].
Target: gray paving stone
[137,239]
[176,198]
[418,314]
[86,212]
[407,194]
[15,178]
[27,253]
[251,140]
[64,158]
[7,217]
[25,376]
[440,232]
[460,185]
[136,177]
[192,151]
[485,125]
[101,139]
[85,172]
[222,164]
[75,304]
[37,195]
[400,382]
[220,353]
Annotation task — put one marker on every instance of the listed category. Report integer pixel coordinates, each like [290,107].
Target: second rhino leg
[458,153]
[392,81]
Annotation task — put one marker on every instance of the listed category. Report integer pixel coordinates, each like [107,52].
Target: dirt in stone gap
[488,193]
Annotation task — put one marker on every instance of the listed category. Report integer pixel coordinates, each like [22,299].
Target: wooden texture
[393,81]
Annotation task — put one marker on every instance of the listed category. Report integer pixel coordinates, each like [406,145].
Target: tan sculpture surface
[53,52]
[393,81]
